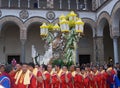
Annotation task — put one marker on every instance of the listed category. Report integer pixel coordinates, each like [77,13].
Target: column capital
[115,32]
[115,37]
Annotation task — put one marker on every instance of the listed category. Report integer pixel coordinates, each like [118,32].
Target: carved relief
[24,14]
[50,15]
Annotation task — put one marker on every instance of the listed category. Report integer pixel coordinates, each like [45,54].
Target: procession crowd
[28,75]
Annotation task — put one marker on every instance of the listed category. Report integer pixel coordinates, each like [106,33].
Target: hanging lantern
[44,30]
[72,16]
[56,27]
[79,26]
[64,26]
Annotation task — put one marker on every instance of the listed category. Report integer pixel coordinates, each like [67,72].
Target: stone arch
[91,23]
[115,19]
[34,20]
[13,19]
[103,18]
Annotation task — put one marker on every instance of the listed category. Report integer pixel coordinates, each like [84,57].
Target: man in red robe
[78,79]
[55,80]
[103,77]
[86,80]
[14,73]
[48,81]
[66,78]
[56,77]
[33,80]
[25,78]
[97,78]
[40,79]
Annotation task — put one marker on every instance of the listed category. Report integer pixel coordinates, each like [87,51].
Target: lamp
[72,16]
[79,26]
[56,27]
[64,26]
[44,30]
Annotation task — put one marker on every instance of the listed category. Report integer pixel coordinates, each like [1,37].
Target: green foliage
[62,62]
[58,62]
[49,38]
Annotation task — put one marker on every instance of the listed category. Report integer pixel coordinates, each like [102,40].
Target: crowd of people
[28,75]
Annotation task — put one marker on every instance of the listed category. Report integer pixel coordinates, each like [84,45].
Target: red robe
[39,84]
[69,76]
[104,79]
[86,82]
[91,80]
[47,83]
[12,75]
[55,81]
[97,80]
[78,81]
[33,83]
[63,79]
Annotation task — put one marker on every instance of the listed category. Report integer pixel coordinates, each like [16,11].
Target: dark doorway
[83,59]
[11,57]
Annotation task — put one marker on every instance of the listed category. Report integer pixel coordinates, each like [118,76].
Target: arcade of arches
[99,44]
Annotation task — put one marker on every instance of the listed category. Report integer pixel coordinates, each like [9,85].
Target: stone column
[77,4]
[99,50]
[18,3]
[68,4]
[60,4]
[115,46]
[95,53]
[28,3]
[23,36]
[38,3]
[9,2]
[23,50]
[0,3]
[85,3]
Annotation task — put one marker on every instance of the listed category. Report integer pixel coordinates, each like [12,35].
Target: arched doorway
[108,43]
[34,39]
[116,31]
[10,42]
[85,46]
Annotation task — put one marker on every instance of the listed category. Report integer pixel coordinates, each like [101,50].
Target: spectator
[4,78]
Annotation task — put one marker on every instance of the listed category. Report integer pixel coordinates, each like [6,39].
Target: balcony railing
[85,5]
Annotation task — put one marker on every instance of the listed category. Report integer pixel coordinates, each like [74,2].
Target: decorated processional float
[61,40]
